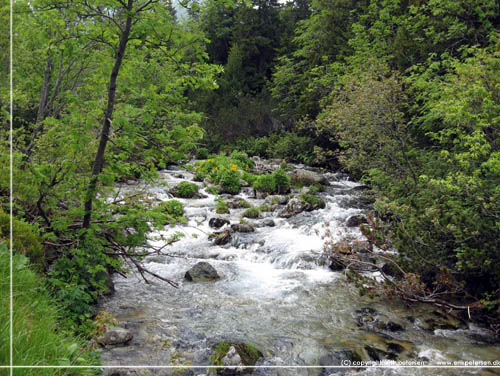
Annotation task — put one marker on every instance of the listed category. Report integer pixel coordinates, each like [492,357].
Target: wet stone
[115,337]
[356,220]
[242,227]
[217,222]
[201,272]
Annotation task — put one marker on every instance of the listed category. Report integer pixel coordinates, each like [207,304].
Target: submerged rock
[115,337]
[202,272]
[276,200]
[268,222]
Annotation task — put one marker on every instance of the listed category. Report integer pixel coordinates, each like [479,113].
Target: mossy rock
[251,213]
[249,354]
[26,239]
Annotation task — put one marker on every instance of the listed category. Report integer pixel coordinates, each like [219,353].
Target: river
[277,293]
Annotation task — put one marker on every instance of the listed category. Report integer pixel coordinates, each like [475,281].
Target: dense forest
[404,95]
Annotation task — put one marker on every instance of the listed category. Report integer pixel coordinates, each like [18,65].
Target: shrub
[242,160]
[201,153]
[282,181]
[213,190]
[174,211]
[265,183]
[26,239]
[251,213]
[186,189]
[230,181]
[249,178]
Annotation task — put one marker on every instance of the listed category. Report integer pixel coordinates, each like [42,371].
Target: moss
[249,354]
[251,213]
[221,207]
[244,204]
[26,239]
[265,208]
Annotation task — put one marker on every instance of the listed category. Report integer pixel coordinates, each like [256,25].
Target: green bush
[265,183]
[314,201]
[26,239]
[242,160]
[282,181]
[186,189]
[251,213]
[277,182]
[213,190]
[230,181]
[41,336]
[201,153]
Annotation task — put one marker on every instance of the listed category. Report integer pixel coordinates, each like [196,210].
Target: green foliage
[251,213]
[221,207]
[242,157]
[212,189]
[41,334]
[230,181]
[201,153]
[277,182]
[282,181]
[174,211]
[311,200]
[186,189]
[265,183]
[265,208]
[26,240]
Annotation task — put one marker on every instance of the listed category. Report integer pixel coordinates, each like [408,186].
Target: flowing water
[276,292]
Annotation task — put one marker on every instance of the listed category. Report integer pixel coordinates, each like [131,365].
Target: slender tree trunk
[108,116]
[45,91]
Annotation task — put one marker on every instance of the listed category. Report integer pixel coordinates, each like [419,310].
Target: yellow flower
[234,167]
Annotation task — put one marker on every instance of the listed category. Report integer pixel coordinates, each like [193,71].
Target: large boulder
[115,337]
[216,222]
[306,177]
[202,272]
[294,206]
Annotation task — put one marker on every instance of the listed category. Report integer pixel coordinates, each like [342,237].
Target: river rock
[217,222]
[268,222]
[238,204]
[276,199]
[306,177]
[337,358]
[242,227]
[201,272]
[233,359]
[121,372]
[294,206]
[115,337]
[221,238]
[356,220]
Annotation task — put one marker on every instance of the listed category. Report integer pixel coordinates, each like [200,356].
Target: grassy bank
[40,337]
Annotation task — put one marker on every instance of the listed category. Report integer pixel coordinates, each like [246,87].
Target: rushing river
[276,292]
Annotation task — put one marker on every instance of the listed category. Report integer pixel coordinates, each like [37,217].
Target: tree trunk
[108,116]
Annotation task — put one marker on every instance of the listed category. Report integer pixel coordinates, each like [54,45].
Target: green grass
[39,335]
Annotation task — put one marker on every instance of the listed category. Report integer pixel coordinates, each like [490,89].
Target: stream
[277,293]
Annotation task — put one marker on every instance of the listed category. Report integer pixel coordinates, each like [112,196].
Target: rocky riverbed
[265,282]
